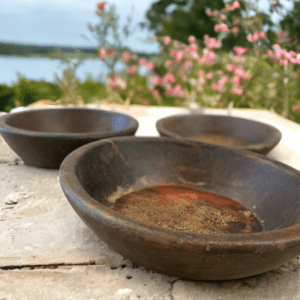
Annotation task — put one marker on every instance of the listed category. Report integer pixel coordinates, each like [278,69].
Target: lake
[42,68]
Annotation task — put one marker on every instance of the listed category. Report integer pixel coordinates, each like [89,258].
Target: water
[42,68]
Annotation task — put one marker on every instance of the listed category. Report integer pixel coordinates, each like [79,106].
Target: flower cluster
[283,56]
[256,36]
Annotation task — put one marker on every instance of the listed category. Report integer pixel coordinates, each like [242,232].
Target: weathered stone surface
[7,156]
[39,231]
[38,226]
[281,283]
[84,282]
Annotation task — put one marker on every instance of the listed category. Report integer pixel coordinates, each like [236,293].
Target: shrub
[7,98]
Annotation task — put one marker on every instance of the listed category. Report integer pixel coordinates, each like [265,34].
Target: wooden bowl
[234,132]
[44,137]
[227,247]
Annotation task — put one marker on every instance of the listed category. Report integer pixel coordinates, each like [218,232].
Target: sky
[62,22]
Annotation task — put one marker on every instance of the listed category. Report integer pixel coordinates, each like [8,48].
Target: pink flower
[100,5]
[194,54]
[209,75]
[211,42]
[180,73]
[118,82]
[296,61]
[250,38]
[114,85]
[102,53]
[230,68]
[211,55]
[167,40]
[236,80]
[223,17]
[193,47]
[235,30]
[237,91]
[240,72]
[221,27]
[255,36]
[150,66]
[236,4]
[188,64]
[169,90]
[223,80]
[143,62]
[262,35]
[240,50]
[179,56]
[209,13]
[228,7]
[156,80]
[238,59]
[202,60]
[172,53]
[168,63]
[125,56]
[192,39]
[217,28]
[270,53]
[169,77]
[201,74]
[215,13]
[156,94]
[277,47]
[284,62]
[110,52]
[131,71]
[214,86]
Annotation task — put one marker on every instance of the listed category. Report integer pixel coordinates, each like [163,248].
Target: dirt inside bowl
[189,209]
[217,139]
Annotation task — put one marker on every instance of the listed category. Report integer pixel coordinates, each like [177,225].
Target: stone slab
[49,253]
[128,283]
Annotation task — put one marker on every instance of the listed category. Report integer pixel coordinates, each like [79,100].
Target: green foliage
[139,92]
[92,90]
[7,98]
[291,28]
[179,19]
[30,91]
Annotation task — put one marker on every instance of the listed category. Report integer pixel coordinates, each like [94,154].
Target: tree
[289,37]
[181,18]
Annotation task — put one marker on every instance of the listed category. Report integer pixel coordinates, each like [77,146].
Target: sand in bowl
[217,139]
[186,208]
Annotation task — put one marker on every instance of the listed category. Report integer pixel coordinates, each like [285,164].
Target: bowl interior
[195,126]
[69,121]
[270,190]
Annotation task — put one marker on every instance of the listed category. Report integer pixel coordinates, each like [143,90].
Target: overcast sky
[63,22]
[59,21]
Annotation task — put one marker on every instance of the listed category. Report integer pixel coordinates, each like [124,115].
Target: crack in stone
[171,289]
[50,266]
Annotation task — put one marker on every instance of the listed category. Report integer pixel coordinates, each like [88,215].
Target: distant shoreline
[48,51]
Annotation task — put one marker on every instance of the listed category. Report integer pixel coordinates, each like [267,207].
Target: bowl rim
[80,199]
[6,128]
[271,141]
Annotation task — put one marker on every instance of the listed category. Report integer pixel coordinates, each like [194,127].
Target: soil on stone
[189,209]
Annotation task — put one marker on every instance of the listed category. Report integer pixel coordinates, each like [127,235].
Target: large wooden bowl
[96,173]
